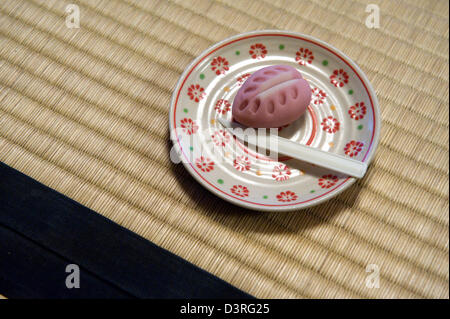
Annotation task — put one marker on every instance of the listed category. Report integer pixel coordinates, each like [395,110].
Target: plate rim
[339,188]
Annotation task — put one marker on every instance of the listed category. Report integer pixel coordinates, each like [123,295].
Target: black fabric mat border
[42,231]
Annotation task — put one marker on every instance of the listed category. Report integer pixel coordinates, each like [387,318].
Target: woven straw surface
[85,111]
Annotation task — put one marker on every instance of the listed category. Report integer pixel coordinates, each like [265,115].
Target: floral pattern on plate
[304,56]
[343,117]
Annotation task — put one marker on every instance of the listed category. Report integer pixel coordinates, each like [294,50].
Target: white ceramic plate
[343,118]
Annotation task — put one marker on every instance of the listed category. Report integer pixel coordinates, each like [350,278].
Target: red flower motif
[240,190]
[352,148]
[281,172]
[339,78]
[189,126]
[330,124]
[257,51]
[196,92]
[242,163]
[242,78]
[287,196]
[219,65]
[327,181]
[357,111]
[318,96]
[304,56]
[205,164]
[222,106]
[221,138]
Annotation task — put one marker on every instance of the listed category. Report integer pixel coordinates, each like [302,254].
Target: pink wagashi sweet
[272,97]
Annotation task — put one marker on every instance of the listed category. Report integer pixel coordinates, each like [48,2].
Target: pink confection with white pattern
[272,97]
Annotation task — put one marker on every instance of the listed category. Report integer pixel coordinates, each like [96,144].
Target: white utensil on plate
[305,153]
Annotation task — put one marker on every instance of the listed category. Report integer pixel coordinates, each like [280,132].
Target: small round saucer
[343,117]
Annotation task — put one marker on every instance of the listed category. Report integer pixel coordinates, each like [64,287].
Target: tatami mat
[85,111]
